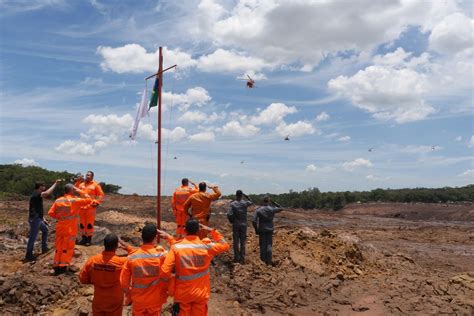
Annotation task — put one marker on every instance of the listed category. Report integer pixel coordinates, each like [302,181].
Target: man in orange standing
[103,271]
[87,214]
[180,196]
[200,203]
[190,258]
[141,273]
[66,210]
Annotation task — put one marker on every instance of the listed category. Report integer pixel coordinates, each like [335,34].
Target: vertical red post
[158,193]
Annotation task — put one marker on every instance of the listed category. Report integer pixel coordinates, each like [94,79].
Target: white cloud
[228,61]
[26,162]
[135,59]
[471,142]
[273,114]
[234,128]
[467,174]
[71,147]
[344,139]
[278,31]
[175,135]
[223,175]
[314,168]
[458,139]
[387,93]
[375,178]
[453,34]
[311,168]
[193,116]
[197,96]
[356,164]
[202,137]
[323,116]
[414,149]
[299,128]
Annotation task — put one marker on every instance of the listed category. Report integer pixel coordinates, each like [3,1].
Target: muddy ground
[368,259]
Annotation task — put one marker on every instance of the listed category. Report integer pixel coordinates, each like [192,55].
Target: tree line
[16,179]
[313,198]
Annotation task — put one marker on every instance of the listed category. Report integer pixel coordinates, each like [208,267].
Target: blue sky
[338,77]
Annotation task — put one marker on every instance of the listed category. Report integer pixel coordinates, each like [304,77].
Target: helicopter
[250,82]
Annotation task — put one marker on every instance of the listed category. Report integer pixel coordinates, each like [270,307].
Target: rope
[168,140]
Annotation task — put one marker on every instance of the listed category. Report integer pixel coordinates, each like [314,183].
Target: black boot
[88,241]
[83,240]
[59,270]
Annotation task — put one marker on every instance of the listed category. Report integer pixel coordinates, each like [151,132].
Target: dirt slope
[359,261]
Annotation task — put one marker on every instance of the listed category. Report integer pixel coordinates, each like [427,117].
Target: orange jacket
[103,271]
[190,259]
[141,273]
[94,190]
[180,196]
[66,210]
[201,203]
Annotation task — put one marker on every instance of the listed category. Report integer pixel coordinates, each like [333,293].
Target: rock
[464,280]
[236,304]
[358,271]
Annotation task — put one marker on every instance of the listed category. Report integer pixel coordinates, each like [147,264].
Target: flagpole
[158,193]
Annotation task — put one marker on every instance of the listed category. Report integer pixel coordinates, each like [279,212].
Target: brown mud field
[368,259]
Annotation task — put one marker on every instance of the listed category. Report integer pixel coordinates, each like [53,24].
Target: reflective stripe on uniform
[65,218]
[145,286]
[146,256]
[190,246]
[192,276]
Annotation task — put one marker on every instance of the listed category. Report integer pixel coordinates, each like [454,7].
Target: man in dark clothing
[35,219]
[263,224]
[238,216]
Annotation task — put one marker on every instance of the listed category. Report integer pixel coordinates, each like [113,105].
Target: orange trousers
[64,250]
[181,218]
[151,311]
[87,221]
[117,312]
[193,308]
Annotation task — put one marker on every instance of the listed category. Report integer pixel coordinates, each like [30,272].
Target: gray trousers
[266,244]
[239,236]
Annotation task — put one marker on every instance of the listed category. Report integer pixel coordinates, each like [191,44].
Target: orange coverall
[66,210]
[103,271]
[141,273]
[190,259]
[180,196]
[200,203]
[87,213]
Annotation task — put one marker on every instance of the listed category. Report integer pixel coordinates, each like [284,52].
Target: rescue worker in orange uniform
[180,196]
[141,275]
[190,258]
[78,179]
[66,210]
[103,271]
[94,190]
[200,204]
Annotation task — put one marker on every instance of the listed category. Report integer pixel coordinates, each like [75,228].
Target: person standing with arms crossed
[87,214]
[36,220]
